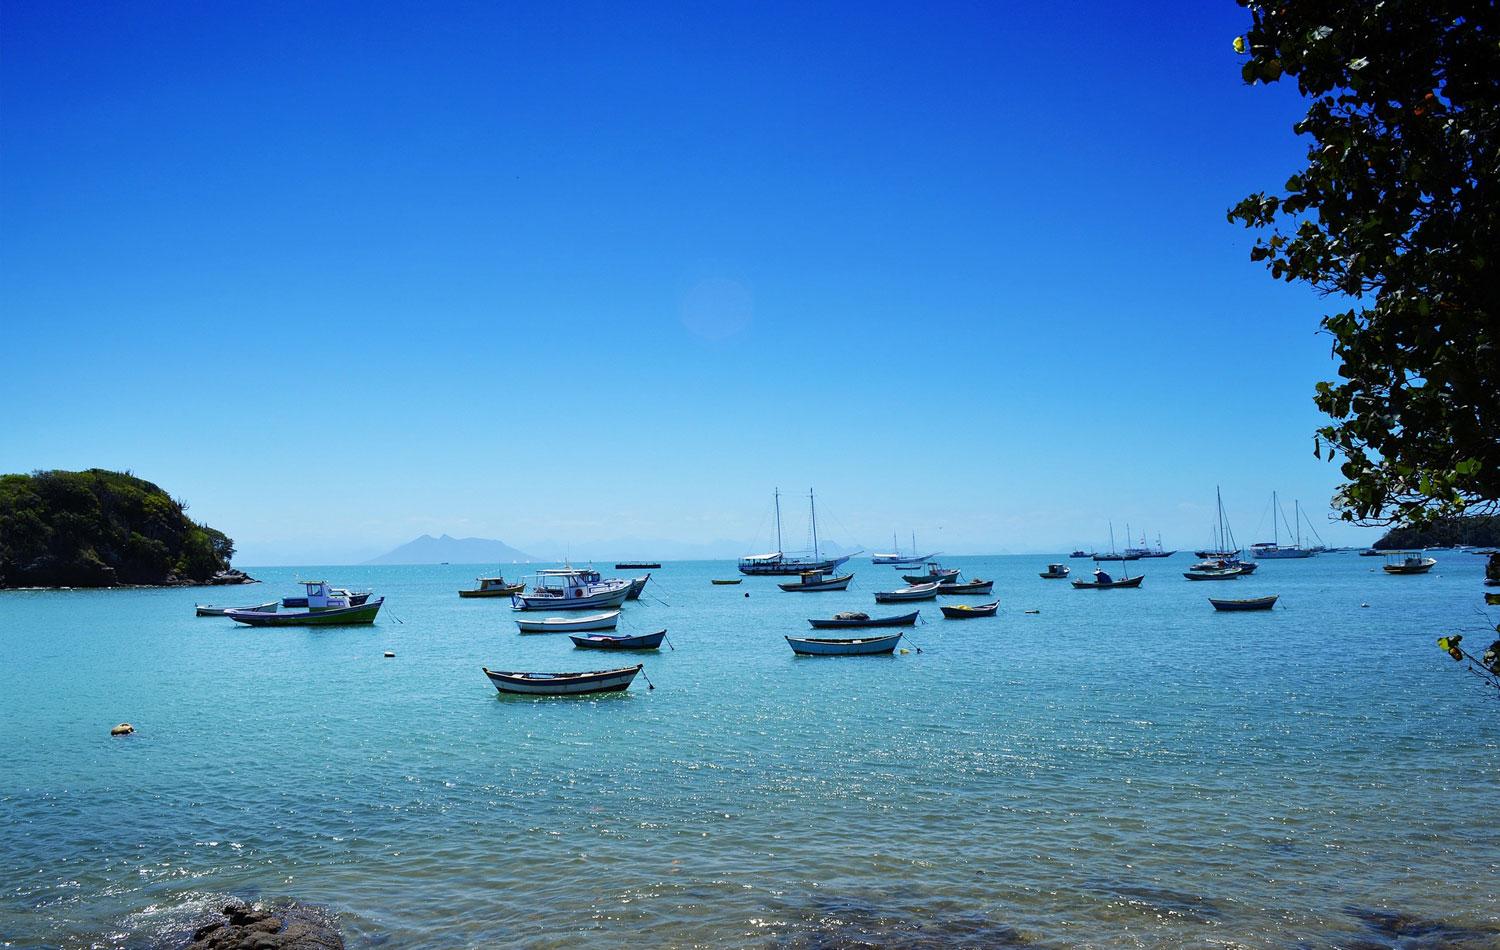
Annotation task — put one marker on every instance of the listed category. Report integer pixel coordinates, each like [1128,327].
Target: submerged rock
[286,926]
[123,729]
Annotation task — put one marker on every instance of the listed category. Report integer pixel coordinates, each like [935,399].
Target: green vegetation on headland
[101,529]
[1482,531]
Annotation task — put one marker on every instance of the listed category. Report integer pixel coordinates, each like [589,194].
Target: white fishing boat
[914,592]
[896,559]
[779,562]
[605,621]
[571,589]
[1274,549]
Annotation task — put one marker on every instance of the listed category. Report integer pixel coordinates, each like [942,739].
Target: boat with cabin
[326,607]
[779,562]
[562,684]
[1112,554]
[837,646]
[812,581]
[1408,562]
[935,572]
[355,597]
[1146,550]
[1056,572]
[571,588]
[494,586]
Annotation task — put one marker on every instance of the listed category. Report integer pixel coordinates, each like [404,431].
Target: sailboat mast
[813,507]
[1275,518]
[1297,516]
[777,496]
[1111,536]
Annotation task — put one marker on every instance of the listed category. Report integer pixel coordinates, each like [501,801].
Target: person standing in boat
[1102,577]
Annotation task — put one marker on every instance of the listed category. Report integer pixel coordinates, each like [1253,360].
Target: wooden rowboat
[904,620]
[326,617]
[604,621]
[964,611]
[732,580]
[1254,603]
[971,587]
[562,684]
[208,610]
[914,592]
[604,641]
[830,646]
[1226,574]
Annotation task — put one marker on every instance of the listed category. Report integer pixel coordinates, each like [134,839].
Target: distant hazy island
[1477,530]
[104,529]
[430,550]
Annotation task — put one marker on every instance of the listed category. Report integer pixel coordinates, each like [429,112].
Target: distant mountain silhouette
[430,550]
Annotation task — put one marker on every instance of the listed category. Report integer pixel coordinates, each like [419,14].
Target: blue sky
[340,275]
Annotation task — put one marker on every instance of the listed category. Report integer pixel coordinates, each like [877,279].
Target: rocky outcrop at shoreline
[282,926]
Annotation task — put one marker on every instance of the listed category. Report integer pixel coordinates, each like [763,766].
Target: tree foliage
[100,528]
[1395,217]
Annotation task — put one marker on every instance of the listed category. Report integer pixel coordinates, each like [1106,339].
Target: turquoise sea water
[1125,768]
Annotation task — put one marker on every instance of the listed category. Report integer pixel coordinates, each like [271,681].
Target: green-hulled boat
[325,608]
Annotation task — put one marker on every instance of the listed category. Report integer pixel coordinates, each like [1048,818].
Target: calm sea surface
[1124,768]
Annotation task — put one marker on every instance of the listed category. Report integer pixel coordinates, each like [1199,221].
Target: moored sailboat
[778,562]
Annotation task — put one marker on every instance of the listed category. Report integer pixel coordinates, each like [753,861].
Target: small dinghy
[562,684]
[604,621]
[975,586]
[848,620]
[816,581]
[209,610]
[914,592]
[604,641]
[493,587]
[1055,572]
[830,646]
[935,572]
[726,581]
[1103,581]
[1254,603]
[965,612]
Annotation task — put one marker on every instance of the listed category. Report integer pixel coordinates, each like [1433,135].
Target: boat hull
[725,583]
[638,566]
[509,591]
[646,641]
[856,646]
[904,620]
[832,583]
[605,621]
[562,684]
[333,617]
[906,594]
[1230,575]
[956,590]
[1096,585]
[636,586]
[207,610]
[962,612]
[534,601]
[1255,603]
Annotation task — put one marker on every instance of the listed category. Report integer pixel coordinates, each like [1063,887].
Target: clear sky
[342,274]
